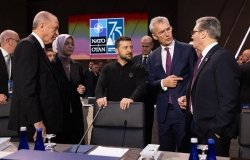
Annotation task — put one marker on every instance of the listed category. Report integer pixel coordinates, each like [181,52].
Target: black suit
[73,126]
[4,76]
[215,99]
[36,94]
[149,101]
[90,80]
[244,82]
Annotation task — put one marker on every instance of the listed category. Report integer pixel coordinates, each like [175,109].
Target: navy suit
[170,117]
[4,76]
[215,99]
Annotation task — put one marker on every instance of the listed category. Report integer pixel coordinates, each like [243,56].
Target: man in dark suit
[8,42]
[213,93]
[245,78]
[36,99]
[91,77]
[170,69]
[149,99]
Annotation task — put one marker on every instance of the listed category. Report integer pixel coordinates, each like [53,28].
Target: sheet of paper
[109,151]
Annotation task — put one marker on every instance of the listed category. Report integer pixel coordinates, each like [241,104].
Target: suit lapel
[3,66]
[158,62]
[206,59]
[176,56]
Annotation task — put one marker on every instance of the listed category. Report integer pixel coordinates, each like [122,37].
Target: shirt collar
[39,39]
[4,52]
[206,50]
[171,46]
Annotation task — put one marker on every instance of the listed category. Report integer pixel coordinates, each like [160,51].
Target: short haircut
[211,25]
[157,20]
[122,38]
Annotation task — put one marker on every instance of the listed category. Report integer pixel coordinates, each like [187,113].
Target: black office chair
[244,136]
[116,127]
[4,119]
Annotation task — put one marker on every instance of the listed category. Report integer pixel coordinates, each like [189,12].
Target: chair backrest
[117,127]
[4,119]
[244,136]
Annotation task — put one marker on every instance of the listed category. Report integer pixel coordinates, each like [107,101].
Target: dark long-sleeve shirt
[117,82]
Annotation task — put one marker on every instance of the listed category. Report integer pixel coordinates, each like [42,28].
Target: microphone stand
[124,132]
[84,135]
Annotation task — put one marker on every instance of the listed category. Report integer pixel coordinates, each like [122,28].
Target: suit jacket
[244,82]
[72,106]
[138,58]
[4,76]
[215,94]
[90,81]
[183,62]
[36,94]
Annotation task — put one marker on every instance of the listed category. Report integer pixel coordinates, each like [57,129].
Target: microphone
[124,131]
[85,133]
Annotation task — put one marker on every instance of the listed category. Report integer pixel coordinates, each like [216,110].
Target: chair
[244,136]
[116,127]
[4,119]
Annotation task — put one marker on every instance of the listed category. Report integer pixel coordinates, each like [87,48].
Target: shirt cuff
[162,86]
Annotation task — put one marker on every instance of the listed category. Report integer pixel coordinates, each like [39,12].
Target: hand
[3,99]
[171,81]
[182,101]
[102,102]
[81,89]
[125,102]
[40,125]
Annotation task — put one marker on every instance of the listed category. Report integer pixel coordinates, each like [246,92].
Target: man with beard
[122,80]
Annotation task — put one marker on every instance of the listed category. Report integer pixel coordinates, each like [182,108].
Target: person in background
[121,80]
[149,100]
[244,57]
[90,65]
[91,78]
[170,69]
[245,79]
[36,101]
[8,42]
[213,93]
[70,74]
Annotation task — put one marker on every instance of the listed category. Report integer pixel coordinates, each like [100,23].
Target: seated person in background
[121,80]
[244,57]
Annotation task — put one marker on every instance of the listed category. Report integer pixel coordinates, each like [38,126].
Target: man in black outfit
[149,99]
[122,80]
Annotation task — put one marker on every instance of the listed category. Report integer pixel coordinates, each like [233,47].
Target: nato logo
[103,33]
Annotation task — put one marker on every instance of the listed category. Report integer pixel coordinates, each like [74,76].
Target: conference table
[131,154]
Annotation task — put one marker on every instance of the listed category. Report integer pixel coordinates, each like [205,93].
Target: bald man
[149,99]
[8,42]
[245,78]
[36,101]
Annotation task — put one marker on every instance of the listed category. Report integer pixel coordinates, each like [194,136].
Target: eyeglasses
[193,32]
[167,30]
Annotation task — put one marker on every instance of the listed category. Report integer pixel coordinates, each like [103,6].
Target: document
[109,151]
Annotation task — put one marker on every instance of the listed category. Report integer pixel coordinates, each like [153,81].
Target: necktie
[194,77]
[168,61]
[168,67]
[8,64]
[144,61]
[196,68]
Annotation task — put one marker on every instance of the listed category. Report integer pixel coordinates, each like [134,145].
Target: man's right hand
[171,81]
[3,99]
[102,102]
[40,125]
[182,101]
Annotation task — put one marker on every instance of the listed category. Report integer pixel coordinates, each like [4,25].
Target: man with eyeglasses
[213,96]
[170,69]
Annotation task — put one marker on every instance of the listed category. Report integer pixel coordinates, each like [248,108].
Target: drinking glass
[49,146]
[203,148]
